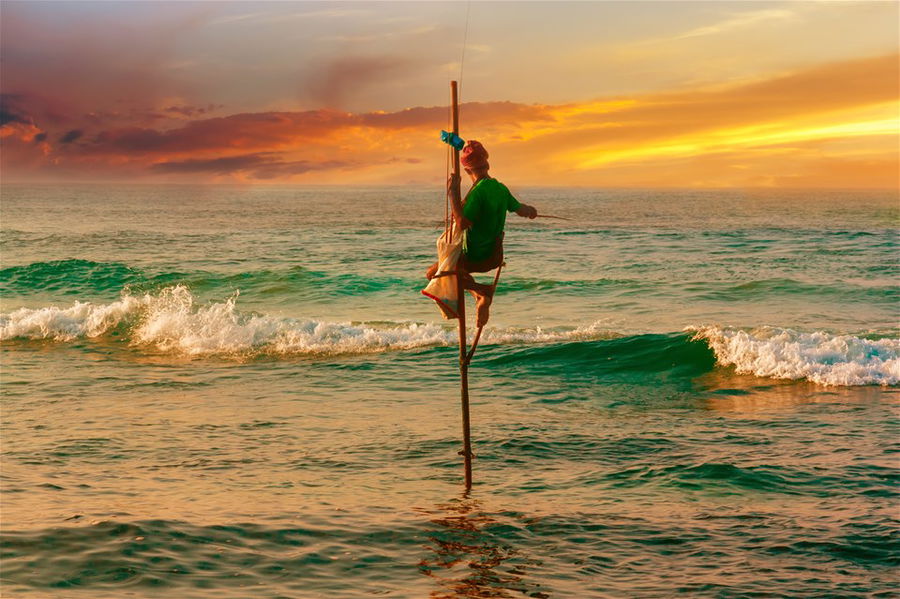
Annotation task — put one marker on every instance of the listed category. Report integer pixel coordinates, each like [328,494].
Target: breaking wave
[174,321]
[819,357]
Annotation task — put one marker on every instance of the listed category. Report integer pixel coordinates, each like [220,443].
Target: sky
[665,94]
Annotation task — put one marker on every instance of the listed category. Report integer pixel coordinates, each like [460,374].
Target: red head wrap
[474,156]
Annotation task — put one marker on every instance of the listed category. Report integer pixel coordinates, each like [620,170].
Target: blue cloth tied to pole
[454,140]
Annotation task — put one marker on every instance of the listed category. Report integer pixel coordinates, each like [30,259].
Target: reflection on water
[474,555]
[744,395]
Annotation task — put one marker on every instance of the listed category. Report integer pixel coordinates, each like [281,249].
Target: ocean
[227,391]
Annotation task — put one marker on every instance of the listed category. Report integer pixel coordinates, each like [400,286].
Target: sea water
[240,392]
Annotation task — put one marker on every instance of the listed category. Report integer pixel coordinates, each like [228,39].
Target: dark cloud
[7,117]
[70,136]
[138,140]
[12,110]
[398,160]
[248,130]
[260,165]
[270,130]
[192,111]
[40,137]
[297,167]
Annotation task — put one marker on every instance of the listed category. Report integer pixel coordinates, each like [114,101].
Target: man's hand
[463,223]
[527,211]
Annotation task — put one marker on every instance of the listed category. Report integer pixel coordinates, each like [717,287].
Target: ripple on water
[462,549]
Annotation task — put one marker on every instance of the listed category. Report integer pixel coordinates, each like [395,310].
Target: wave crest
[80,320]
[173,321]
[819,357]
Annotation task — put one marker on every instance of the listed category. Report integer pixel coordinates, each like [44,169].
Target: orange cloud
[835,125]
[759,125]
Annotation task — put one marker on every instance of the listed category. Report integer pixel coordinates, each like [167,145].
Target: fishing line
[462,59]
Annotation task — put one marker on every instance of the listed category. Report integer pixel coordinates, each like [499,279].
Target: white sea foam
[820,357]
[173,321]
[80,320]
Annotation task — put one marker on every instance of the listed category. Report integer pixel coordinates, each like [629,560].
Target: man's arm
[456,203]
[527,211]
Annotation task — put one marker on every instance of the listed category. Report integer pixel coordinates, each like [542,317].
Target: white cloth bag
[443,288]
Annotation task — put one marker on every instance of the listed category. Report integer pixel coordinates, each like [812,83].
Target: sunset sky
[606,94]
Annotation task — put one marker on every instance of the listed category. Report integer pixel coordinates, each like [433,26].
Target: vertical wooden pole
[461,295]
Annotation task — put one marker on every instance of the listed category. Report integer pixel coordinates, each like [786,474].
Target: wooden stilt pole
[461,294]
[481,328]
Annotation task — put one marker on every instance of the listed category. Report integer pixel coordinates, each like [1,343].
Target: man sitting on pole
[482,216]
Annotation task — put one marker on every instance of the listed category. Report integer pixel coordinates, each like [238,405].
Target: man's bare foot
[483,309]
[432,270]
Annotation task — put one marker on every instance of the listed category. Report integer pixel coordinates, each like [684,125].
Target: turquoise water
[240,392]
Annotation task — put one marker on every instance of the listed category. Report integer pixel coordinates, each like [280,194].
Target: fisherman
[482,216]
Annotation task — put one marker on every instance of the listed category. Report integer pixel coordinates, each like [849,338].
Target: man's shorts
[490,263]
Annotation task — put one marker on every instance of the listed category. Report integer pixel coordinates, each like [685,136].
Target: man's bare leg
[483,307]
[484,295]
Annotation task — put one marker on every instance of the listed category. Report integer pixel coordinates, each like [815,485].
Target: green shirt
[486,206]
